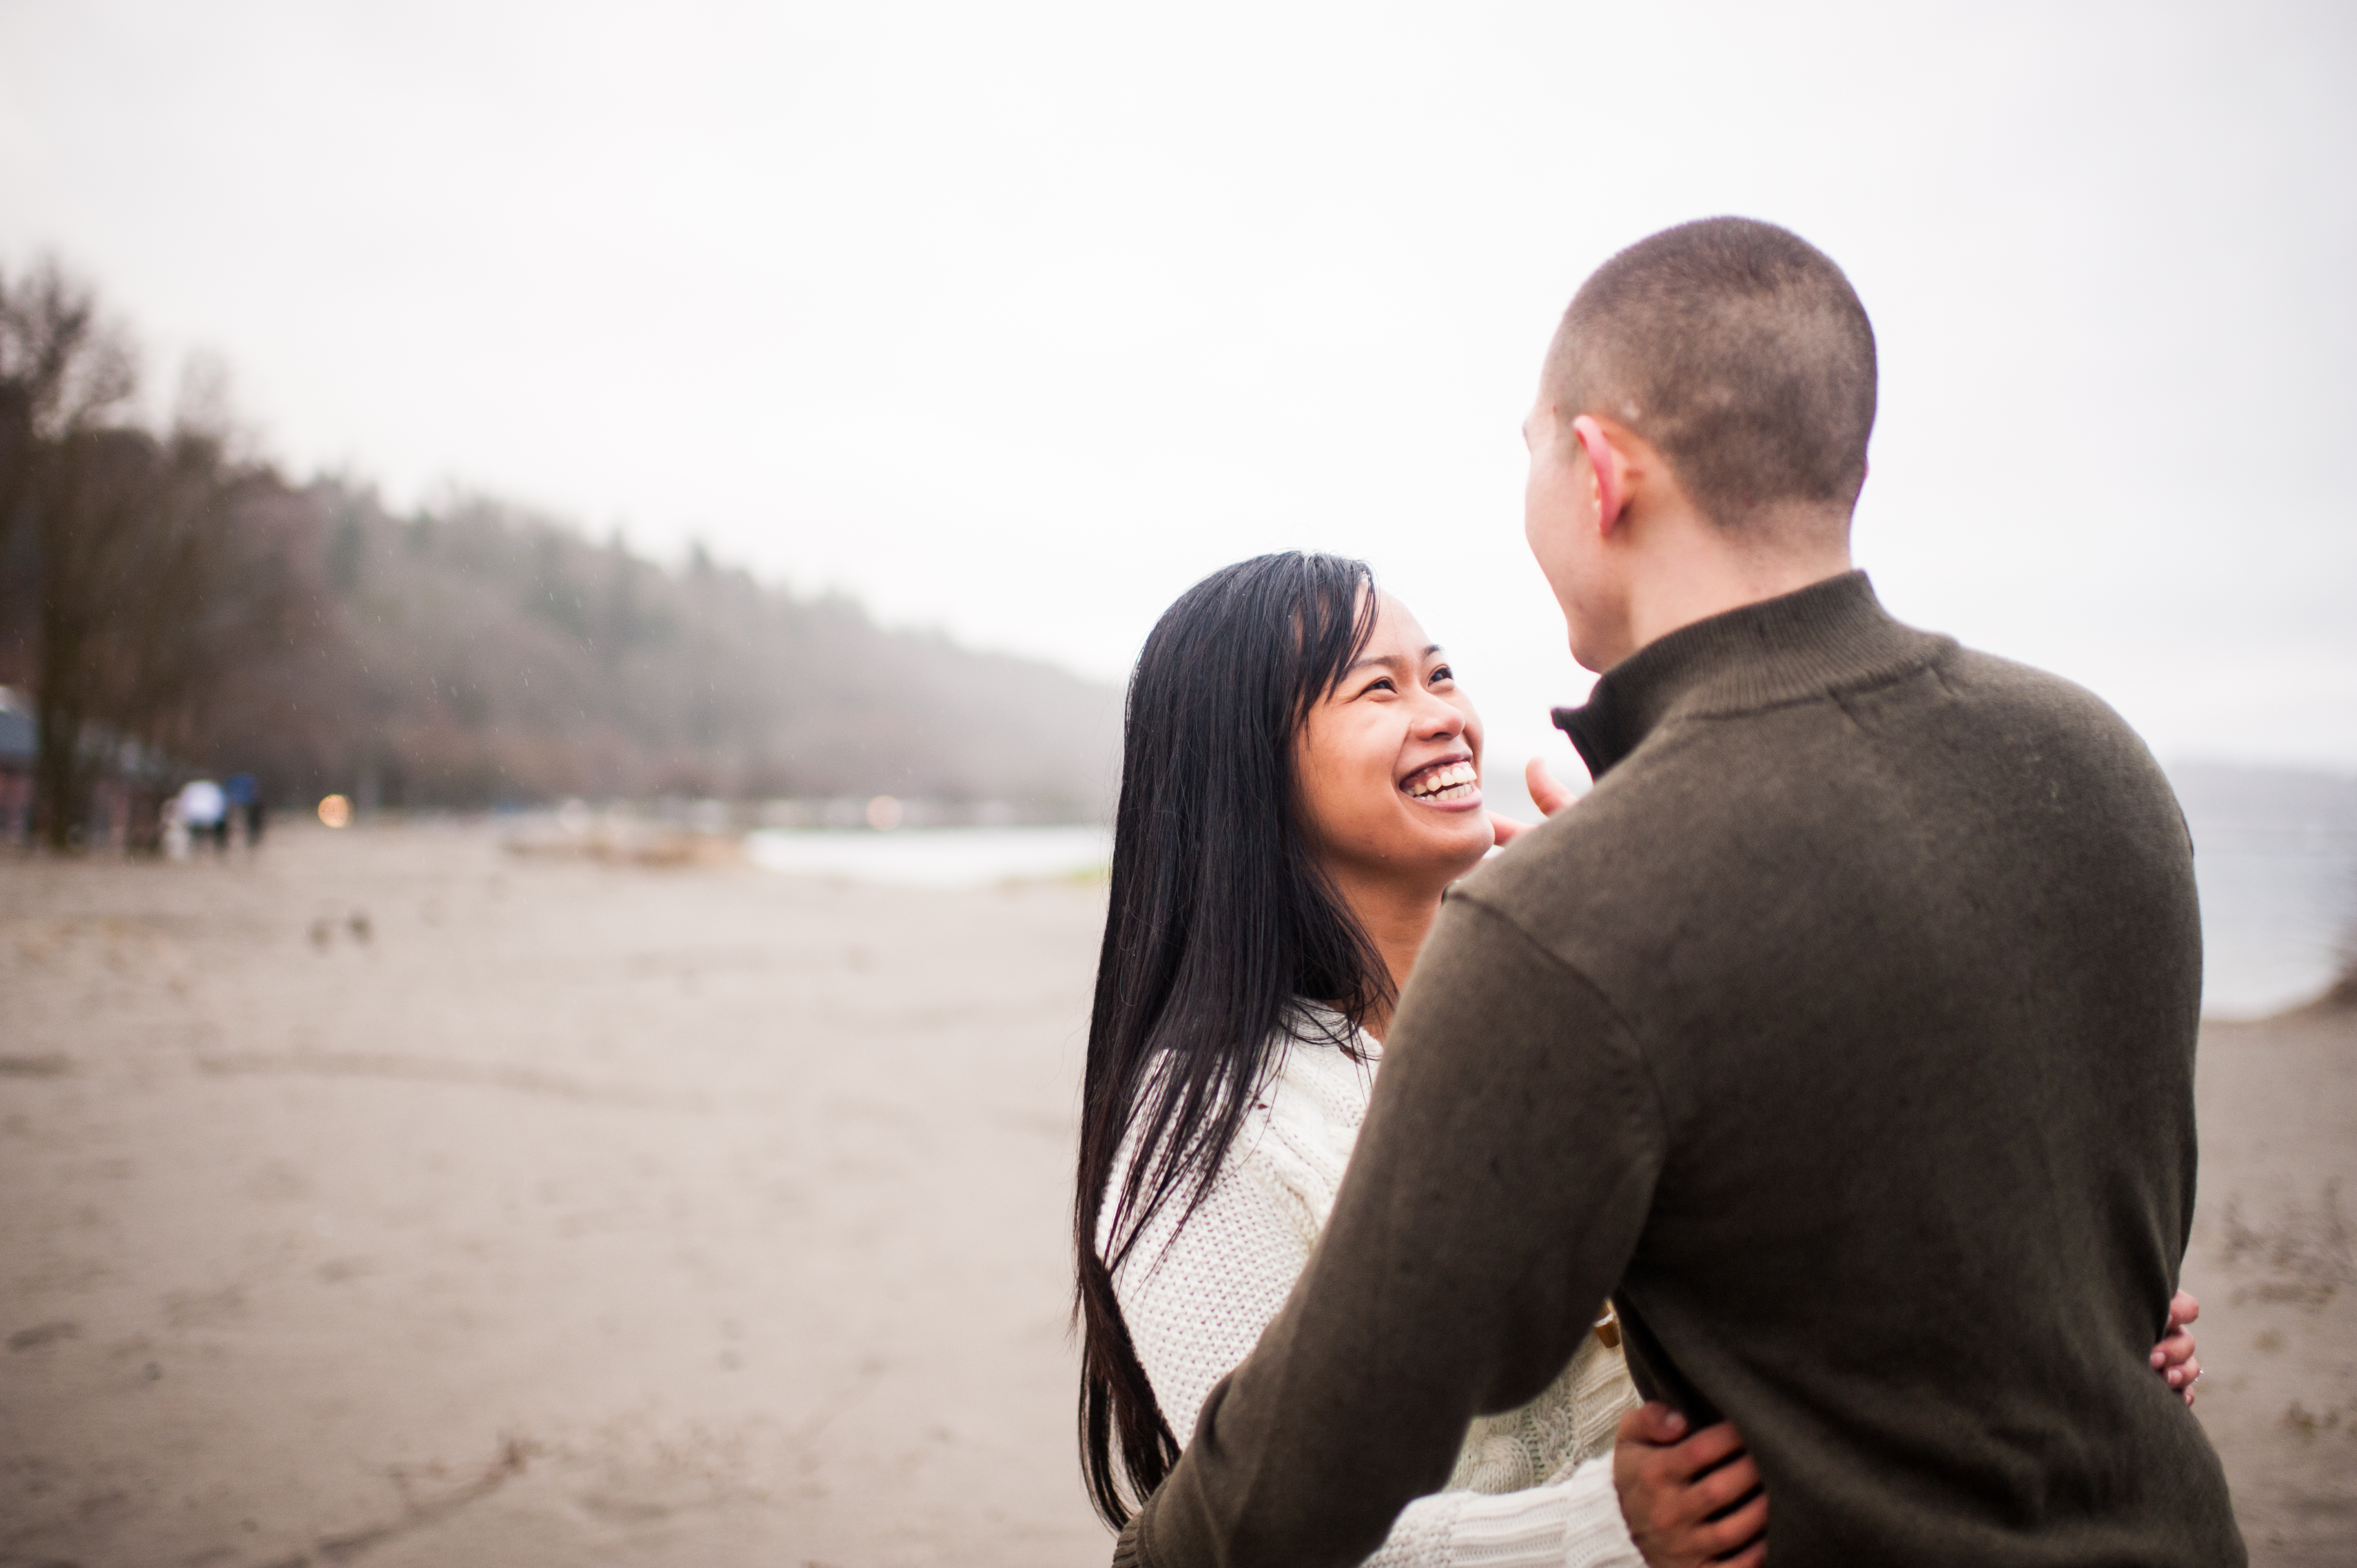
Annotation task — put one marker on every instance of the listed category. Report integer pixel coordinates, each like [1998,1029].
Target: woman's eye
[1443,673]
[1382,685]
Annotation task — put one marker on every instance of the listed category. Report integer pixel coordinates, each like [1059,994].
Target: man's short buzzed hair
[1741,351]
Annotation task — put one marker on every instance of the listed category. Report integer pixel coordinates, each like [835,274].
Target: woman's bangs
[1332,626]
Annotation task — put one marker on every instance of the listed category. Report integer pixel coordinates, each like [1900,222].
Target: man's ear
[1611,472]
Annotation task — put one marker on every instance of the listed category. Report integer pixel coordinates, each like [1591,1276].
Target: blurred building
[129,782]
[18,746]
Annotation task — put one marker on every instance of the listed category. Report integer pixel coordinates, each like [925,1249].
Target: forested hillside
[168,605]
[474,654]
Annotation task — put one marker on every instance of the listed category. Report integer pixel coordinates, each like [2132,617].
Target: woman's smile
[1452,783]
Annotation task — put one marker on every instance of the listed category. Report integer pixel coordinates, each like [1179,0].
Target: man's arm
[1497,1189]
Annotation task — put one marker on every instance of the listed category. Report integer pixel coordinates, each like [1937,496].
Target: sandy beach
[394,1199]
[391,1199]
[2274,1264]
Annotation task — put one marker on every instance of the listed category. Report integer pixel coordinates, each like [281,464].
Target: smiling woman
[1389,763]
[1300,783]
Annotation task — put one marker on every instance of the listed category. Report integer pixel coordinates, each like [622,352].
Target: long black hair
[1221,920]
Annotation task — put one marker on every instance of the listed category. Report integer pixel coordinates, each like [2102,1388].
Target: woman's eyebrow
[1388,658]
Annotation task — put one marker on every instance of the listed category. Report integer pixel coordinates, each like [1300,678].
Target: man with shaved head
[1842,1035]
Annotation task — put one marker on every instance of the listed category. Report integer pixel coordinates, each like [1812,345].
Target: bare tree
[137,557]
[63,375]
[62,369]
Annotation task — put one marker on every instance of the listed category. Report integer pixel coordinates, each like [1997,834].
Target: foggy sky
[1018,319]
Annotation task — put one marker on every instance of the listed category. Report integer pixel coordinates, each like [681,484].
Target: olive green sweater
[1844,1034]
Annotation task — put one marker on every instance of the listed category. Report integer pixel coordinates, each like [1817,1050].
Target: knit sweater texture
[1845,1033]
[1531,1487]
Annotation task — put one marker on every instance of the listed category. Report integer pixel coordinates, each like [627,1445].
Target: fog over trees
[171,605]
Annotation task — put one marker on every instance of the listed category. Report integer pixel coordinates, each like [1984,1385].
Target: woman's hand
[2173,1357]
[1673,1489]
[1547,795]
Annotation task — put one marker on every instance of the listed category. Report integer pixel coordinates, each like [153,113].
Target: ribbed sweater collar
[1806,644]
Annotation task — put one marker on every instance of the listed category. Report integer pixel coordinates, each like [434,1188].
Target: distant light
[336,811]
[883,814]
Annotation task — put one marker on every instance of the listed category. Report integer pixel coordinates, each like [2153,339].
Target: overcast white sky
[1017,319]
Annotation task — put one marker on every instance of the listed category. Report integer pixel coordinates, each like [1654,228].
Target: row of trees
[488,653]
[165,597]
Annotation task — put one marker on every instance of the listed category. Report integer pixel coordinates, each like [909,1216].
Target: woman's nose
[1442,721]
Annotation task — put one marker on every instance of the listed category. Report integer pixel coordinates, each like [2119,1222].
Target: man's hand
[1672,1485]
[1546,794]
[2173,1357]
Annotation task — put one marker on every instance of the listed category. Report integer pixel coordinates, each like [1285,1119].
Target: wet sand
[393,1199]
[2274,1264]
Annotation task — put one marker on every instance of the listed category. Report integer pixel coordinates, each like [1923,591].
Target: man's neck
[1722,574]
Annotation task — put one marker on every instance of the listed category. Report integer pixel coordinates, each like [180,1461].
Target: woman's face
[1389,763]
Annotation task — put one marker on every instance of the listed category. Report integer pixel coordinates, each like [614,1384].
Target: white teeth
[1453,782]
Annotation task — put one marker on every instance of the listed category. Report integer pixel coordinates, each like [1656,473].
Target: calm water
[936,857]
[2275,853]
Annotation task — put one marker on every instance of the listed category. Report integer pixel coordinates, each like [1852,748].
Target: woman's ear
[1609,470]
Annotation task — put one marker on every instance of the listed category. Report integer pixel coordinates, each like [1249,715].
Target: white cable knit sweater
[1533,1487]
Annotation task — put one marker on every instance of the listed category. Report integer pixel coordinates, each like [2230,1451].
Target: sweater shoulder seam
[1629,1035]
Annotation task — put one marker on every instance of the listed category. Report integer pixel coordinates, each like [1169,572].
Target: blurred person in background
[201,809]
[243,793]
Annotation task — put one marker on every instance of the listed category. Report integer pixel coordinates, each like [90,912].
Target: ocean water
[935,857]
[2275,853]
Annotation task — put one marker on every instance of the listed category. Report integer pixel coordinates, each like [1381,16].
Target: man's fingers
[1752,1556]
[1503,831]
[1546,794]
